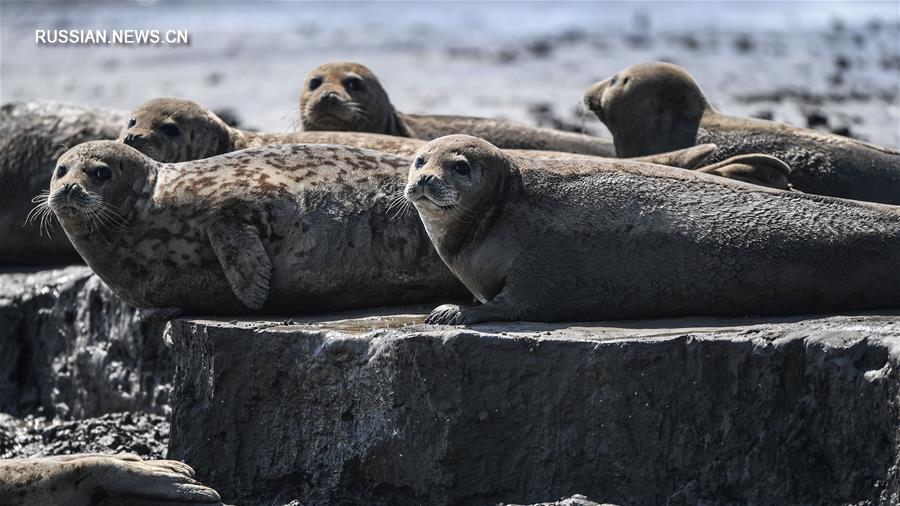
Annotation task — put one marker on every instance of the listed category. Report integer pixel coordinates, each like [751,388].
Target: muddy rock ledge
[383,410]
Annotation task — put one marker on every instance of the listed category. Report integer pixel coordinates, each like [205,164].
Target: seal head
[96,186]
[173,130]
[649,108]
[345,96]
[455,183]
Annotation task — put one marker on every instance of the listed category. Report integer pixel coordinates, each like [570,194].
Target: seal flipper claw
[244,260]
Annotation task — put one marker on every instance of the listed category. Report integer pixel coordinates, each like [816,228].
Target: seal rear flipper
[244,260]
[688,158]
[757,169]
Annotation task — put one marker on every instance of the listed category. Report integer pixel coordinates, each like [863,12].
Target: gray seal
[99,479]
[32,137]
[633,240]
[278,229]
[657,107]
[349,97]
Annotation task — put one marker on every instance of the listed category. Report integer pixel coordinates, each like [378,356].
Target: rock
[139,433]
[575,500]
[33,135]
[70,349]
[384,410]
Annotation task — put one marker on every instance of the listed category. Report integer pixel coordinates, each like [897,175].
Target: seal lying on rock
[284,229]
[348,96]
[89,479]
[32,136]
[657,107]
[639,241]
[179,130]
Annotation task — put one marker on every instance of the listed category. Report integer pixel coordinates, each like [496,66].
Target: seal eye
[101,173]
[131,122]
[353,84]
[61,171]
[612,82]
[624,81]
[419,162]
[314,83]
[462,168]
[170,130]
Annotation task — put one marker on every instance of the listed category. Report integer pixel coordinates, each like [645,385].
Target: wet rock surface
[70,349]
[379,409]
[139,433]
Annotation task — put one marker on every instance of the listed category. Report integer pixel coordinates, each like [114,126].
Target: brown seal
[281,229]
[179,130]
[657,107]
[32,136]
[349,97]
[89,479]
[634,240]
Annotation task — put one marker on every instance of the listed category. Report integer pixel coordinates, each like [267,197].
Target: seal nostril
[424,180]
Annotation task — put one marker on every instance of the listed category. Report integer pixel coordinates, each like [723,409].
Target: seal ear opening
[756,169]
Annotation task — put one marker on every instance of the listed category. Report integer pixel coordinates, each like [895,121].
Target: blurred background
[833,66]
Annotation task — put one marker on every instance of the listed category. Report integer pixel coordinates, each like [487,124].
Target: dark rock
[140,433]
[815,119]
[384,410]
[33,135]
[69,348]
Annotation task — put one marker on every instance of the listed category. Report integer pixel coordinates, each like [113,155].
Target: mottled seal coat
[279,229]
[179,130]
[32,137]
[638,241]
[348,96]
[657,107]
[98,479]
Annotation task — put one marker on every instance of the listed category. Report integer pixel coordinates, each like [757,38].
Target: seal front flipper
[451,314]
[159,314]
[244,260]
[687,158]
[757,169]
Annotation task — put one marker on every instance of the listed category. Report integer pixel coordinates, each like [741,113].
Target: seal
[348,96]
[87,479]
[656,107]
[279,229]
[634,240]
[32,137]
[179,130]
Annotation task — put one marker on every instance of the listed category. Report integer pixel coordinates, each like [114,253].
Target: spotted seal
[32,137]
[633,240]
[99,479]
[656,107]
[349,97]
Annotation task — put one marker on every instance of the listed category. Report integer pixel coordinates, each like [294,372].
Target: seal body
[32,137]
[349,97]
[279,229]
[656,107]
[639,241]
